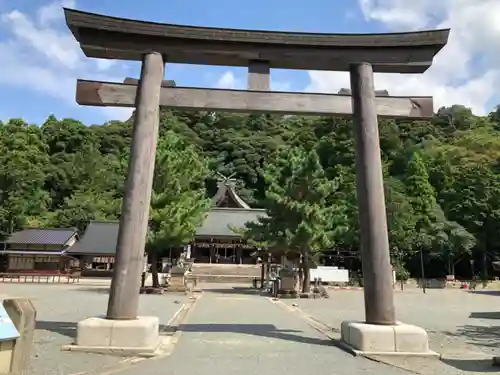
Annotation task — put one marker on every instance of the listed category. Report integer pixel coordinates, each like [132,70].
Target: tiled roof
[100,238]
[219,221]
[42,236]
[32,252]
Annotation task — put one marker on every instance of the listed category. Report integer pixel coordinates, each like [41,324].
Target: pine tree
[420,192]
[179,203]
[299,217]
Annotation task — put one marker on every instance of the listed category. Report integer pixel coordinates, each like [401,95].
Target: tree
[474,202]
[178,203]
[423,202]
[23,169]
[83,206]
[299,218]
[421,194]
[451,240]
[66,173]
[401,226]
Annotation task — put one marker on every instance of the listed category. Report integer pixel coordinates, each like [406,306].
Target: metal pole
[400,256]
[377,270]
[422,270]
[123,301]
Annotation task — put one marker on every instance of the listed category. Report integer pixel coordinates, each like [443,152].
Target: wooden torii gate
[156,44]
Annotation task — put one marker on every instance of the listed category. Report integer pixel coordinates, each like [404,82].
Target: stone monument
[288,283]
[178,279]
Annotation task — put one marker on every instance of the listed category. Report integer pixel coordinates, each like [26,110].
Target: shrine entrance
[156,44]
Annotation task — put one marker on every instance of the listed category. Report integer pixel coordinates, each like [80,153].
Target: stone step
[229,279]
[226,269]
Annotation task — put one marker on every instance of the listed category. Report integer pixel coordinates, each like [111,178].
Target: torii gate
[155,44]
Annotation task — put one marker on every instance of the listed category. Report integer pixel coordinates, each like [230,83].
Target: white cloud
[228,81]
[40,54]
[52,12]
[466,71]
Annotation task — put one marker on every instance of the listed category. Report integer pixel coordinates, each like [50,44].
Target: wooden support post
[377,270]
[259,76]
[124,295]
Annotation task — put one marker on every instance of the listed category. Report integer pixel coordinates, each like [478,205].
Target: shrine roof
[219,221]
[227,190]
[42,236]
[108,37]
[100,238]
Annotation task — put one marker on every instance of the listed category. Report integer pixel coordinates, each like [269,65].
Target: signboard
[330,274]
[106,260]
[7,329]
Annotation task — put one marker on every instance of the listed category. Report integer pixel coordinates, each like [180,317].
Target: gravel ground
[60,307]
[457,322]
[463,326]
[228,333]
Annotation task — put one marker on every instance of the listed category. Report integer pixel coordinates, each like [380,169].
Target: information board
[8,330]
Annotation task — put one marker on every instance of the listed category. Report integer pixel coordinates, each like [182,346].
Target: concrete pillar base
[401,339]
[138,337]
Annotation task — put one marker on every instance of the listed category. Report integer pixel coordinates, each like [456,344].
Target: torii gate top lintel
[102,36]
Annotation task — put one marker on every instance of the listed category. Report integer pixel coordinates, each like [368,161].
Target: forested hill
[65,173]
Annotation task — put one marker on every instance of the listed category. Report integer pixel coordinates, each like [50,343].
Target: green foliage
[420,191]
[442,179]
[401,219]
[178,204]
[23,170]
[401,272]
[82,207]
[300,218]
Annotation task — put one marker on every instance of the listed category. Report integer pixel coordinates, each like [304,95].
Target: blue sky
[40,61]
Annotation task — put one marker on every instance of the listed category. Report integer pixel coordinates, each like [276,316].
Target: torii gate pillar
[377,269]
[379,333]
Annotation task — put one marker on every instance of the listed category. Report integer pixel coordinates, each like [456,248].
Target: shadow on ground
[493,293]
[472,365]
[485,315]
[261,330]
[99,290]
[63,328]
[486,336]
[234,290]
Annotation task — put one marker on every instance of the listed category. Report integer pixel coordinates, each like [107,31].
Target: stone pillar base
[177,288]
[401,339]
[138,337]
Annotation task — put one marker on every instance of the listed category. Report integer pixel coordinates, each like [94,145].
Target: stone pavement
[460,325]
[60,307]
[235,331]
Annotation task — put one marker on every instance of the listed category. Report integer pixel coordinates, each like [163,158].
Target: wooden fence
[39,278]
